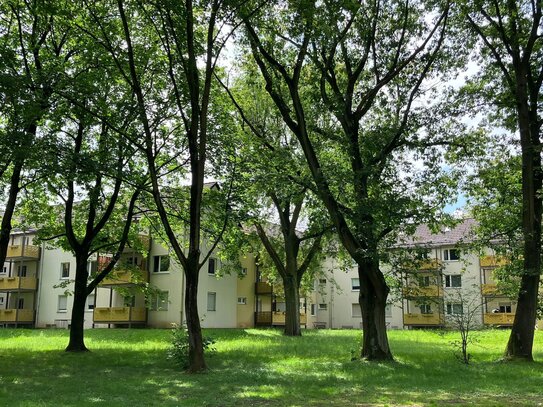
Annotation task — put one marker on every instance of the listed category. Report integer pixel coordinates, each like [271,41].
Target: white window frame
[354,306]
[313,310]
[449,281]
[322,281]
[244,271]
[212,306]
[1,300]
[447,254]
[64,299]
[323,307]
[388,311]
[159,262]
[90,305]
[450,308]
[212,264]
[160,301]
[242,300]
[355,287]
[63,269]
[425,309]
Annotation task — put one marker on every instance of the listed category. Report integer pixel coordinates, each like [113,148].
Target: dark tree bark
[196,350]
[6,226]
[77,342]
[292,304]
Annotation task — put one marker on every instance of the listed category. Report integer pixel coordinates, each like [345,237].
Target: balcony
[124,277]
[417,291]
[423,319]
[25,252]
[117,315]
[12,316]
[262,288]
[268,318]
[492,261]
[18,283]
[499,318]
[490,289]
[430,264]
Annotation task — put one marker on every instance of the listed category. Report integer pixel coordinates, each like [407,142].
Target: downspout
[40,281]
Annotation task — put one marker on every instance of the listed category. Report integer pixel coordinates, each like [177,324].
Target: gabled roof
[423,236]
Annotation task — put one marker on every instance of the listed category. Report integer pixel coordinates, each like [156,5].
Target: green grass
[262,368]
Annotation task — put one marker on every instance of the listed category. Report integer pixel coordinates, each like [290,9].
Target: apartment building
[148,289]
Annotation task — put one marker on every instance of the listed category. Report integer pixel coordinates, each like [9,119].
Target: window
[322,281]
[211,301]
[424,281]
[211,264]
[313,309]
[242,300]
[161,264]
[425,309]
[455,308]
[64,270]
[505,307]
[21,271]
[453,281]
[92,267]
[244,271]
[388,311]
[62,303]
[323,307]
[356,312]
[159,302]
[4,270]
[451,255]
[21,303]
[91,301]
[1,300]
[355,284]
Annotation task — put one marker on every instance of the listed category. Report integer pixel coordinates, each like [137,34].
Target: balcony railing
[423,319]
[16,315]
[125,277]
[417,291]
[499,318]
[489,289]
[18,283]
[492,261]
[263,288]
[430,264]
[119,315]
[17,251]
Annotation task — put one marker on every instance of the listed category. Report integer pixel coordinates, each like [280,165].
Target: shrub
[179,349]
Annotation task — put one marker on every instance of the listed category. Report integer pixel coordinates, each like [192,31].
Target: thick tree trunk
[5,228]
[372,300]
[292,302]
[196,349]
[522,333]
[77,342]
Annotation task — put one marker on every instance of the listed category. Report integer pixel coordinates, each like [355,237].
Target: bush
[179,349]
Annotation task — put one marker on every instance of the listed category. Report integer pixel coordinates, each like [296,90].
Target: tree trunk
[292,301]
[6,227]
[77,342]
[522,334]
[196,349]
[372,304]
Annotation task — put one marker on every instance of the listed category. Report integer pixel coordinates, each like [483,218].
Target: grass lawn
[262,368]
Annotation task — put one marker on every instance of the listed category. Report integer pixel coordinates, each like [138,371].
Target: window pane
[355,310]
[65,270]
[211,266]
[62,303]
[162,301]
[211,301]
[164,263]
[355,283]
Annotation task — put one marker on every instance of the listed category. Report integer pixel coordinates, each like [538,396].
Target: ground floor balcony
[432,319]
[492,261]
[18,283]
[272,318]
[16,316]
[263,288]
[23,252]
[490,289]
[120,315]
[499,318]
[124,277]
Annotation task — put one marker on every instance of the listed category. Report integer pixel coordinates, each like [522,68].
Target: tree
[167,53]
[357,124]
[511,77]
[34,51]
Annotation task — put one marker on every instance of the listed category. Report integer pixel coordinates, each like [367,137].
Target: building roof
[424,236]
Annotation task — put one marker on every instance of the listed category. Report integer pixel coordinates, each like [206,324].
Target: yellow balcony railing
[489,289]
[423,319]
[31,252]
[124,277]
[430,264]
[119,314]
[417,291]
[17,283]
[275,318]
[499,318]
[263,288]
[16,315]
[492,261]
